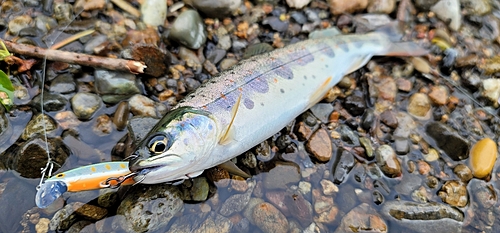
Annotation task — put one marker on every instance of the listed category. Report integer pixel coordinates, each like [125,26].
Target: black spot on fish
[358,44]
[326,65]
[282,91]
[248,103]
[305,77]
[314,76]
[261,104]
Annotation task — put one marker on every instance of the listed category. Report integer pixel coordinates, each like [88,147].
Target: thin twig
[72,38]
[124,5]
[135,67]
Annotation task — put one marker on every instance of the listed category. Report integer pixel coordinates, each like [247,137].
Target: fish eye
[158,144]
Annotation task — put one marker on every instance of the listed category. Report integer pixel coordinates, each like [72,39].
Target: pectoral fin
[232,168]
[229,133]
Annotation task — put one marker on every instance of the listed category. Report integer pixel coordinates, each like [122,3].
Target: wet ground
[397,146]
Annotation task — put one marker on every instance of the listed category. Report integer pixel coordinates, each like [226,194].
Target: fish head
[177,146]
[49,191]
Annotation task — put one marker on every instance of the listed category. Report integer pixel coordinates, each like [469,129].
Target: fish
[248,103]
[90,177]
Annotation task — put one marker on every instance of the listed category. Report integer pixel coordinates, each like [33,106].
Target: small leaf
[6,91]
[5,81]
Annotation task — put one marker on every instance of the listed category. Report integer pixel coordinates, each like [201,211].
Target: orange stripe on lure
[90,177]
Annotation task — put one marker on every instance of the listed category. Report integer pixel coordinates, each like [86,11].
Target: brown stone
[320,145]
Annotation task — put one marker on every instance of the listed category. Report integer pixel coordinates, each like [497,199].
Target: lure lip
[49,192]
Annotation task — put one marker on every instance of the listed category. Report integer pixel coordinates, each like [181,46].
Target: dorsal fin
[229,133]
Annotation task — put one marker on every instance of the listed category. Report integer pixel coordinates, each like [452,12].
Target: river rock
[448,140]
[142,106]
[39,125]
[338,7]
[361,218]
[51,102]
[454,193]
[298,4]
[381,6]
[154,12]
[18,23]
[215,8]
[63,84]
[189,30]
[419,106]
[236,202]
[388,161]
[280,177]
[483,156]
[320,145]
[115,86]
[269,219]
[85,105]
[449,11]
[423,217]
[149,207]
[342,166]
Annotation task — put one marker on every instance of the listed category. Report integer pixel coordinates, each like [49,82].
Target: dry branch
[135,67]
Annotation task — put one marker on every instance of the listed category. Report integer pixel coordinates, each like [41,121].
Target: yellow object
[482,157]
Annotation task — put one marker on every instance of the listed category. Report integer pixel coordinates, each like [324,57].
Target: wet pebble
[188,29]
[85,105]
[342,166]
[120,118]
[199,190]
[154,12]
[149,207]
[401,134]
[276,23]
[322,111]
[142,106]
[476,7]
[214,223]
[103,125]
[449,11]
[328,187]
[236,203]
[463,173]
[215,8]
[38,125]
[483,156]
[326,211]
[320,145]
[115,86]
[219,176]
[63,219]
[189,56]
[361,218]
[95,41]
[51,102]
[381,6]
[90,212]
[419,106]
[439,95]
[63,84]
[482,194]
[18,23]
[227,63]
[277,199]
[338,7]
[67,120]
[298,4]
[269,219]
[239,184]
[42,226]
[454,193]
[281,176]
[389,118]
[448,140]
[491,89]
[388,161]
[423,217]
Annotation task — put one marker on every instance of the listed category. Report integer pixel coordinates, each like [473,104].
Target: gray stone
[115,86]
[85,105]
[189,30]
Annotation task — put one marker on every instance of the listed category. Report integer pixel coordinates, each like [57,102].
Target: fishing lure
[250,102]
[90,177]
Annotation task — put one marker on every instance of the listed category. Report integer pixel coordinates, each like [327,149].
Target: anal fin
[229,133]
[233,169]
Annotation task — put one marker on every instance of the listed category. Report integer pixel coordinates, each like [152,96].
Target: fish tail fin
[394,33]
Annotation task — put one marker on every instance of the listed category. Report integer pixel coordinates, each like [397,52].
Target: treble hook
[119,180]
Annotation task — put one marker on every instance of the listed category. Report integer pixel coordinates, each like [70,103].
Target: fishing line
[49,166]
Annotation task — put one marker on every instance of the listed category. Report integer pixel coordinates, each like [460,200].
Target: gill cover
[176,148]
[48,192]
